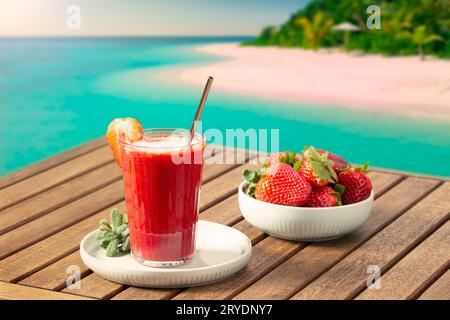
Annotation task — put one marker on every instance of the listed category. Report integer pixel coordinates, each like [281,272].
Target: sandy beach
[402,85]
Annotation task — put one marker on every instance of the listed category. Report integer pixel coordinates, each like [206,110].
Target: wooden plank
[54,276]
[95,286]
[382,182]
[58,196]
[54,176]
[55,247]
[409,277]
[267,255]
[60,218]
[225,161]
[48,163]
[440,290]
[222,187]
[225,212]
[409,174]
[135,293]
[348,278]
[9,291]
[316,258]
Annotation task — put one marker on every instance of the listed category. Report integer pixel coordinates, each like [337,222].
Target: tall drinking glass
[162,178]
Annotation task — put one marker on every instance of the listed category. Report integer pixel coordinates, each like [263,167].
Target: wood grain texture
[348,278]
[135,293]
[409,277]
[267,255]
[59,219]
[382,182]
[50,250]
[221,188]
[440,290]
[54,276]
[54,176]
[51,162]
[96,287]
[9,291]
[52,199]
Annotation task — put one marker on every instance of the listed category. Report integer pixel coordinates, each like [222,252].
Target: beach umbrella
[346,27]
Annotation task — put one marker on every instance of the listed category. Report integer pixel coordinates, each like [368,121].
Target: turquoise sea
[56,93]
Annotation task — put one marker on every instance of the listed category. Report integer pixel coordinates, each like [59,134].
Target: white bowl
[302,223]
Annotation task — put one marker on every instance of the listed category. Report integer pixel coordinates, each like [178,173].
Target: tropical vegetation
[407,27]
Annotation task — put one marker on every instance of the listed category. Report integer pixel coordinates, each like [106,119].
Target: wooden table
[48,207]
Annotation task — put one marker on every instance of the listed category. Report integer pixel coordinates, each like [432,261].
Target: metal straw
[200,109]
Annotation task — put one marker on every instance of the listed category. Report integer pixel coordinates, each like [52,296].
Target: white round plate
[220,252]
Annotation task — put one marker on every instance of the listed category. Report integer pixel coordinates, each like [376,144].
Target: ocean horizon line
[130,36]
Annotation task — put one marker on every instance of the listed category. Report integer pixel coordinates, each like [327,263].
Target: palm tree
[420,37]
[316,29]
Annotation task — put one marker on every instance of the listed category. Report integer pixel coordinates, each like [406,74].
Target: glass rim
[196,134]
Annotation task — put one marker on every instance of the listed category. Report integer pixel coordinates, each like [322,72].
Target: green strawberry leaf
[322,167]
[298,165]
[338,196]
[320,171]
[363,168]
[250,175]
[251,189]
[340,188]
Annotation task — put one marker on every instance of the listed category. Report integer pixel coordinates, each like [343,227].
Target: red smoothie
[162,178]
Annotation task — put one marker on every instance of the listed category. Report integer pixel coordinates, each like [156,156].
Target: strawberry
[316,167]
[324,197]
[339,163]
[126,129]
[279,184]
[357,185]
[283,157]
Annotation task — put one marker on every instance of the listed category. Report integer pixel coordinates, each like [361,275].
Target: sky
[142,17]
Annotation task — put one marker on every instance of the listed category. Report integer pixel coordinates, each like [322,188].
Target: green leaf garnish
[114,237]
